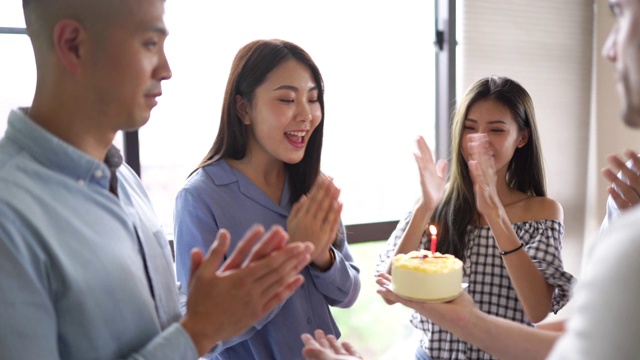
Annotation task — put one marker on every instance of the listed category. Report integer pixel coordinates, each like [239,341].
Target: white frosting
[418,275]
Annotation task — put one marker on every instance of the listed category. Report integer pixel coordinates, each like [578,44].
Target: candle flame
[433,230]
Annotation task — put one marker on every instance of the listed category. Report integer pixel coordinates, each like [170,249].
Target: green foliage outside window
[377,330]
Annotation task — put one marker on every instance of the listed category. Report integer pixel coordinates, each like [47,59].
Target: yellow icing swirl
[424,261]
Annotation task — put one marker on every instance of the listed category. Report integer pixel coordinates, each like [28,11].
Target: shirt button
[80,182]
[309,321]
[97,173]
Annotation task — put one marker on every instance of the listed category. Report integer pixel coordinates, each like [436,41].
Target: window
[378,66]
[17,66]
[11,14]
[17,70]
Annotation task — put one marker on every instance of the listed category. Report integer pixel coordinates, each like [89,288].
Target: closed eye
[151,44]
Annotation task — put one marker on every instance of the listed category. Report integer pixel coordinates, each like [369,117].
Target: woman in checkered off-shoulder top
[492,214]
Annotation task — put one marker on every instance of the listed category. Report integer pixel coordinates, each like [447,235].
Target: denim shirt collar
[53,152]
[226,174]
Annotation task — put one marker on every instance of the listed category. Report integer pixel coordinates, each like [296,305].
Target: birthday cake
[422,275]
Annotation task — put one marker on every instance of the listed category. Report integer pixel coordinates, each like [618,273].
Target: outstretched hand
[482,168]
[262,272]
[315,218]
[624,190]
[432,175]
[454,316]
[327,347]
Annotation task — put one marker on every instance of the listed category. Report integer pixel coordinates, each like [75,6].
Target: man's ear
[242,110]
[68,41]
[524,137]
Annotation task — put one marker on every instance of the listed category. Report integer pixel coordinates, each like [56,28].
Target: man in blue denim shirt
[86,270]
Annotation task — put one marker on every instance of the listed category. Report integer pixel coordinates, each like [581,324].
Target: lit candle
[434,239]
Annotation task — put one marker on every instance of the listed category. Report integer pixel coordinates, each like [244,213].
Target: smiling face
[283,114]
[129,64]
[623,49]
[492,118]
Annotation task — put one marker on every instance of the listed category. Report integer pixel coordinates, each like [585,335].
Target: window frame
[445,80]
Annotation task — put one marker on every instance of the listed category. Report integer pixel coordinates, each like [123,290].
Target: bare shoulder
[536,208]
[548,209]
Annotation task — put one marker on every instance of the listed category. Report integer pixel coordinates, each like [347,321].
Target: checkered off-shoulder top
[489,282]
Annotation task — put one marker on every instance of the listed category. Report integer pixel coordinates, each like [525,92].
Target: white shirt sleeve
[606,322]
